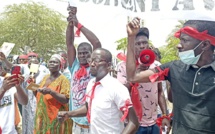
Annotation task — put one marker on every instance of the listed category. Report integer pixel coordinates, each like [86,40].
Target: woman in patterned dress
[52,96]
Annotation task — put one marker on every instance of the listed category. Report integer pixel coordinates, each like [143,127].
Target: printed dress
[46,121]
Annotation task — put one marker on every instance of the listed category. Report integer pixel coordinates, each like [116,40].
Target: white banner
[157,9]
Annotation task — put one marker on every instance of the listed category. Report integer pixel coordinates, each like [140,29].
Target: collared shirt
[109,97]
[193,91]
[78,90]
[148,93]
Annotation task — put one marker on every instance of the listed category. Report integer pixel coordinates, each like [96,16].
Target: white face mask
[188,57]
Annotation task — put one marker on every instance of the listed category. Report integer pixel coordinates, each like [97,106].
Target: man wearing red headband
[192,77]
[145,96]
[32,55]
[23,59]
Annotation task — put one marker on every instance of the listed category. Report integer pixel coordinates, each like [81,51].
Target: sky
[108,23]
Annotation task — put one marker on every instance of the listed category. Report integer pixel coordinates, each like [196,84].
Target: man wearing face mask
[192,78]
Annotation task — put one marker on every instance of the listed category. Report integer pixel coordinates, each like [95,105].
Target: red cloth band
[160,75]
[32,54]
[159,121]
[23,57]
[135,98]
[91,99]
[78,31]
[125,109]
[196,34]
[82,71]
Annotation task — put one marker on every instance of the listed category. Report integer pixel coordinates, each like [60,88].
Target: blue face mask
[188,57]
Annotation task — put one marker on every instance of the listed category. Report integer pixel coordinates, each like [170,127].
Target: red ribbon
[160,119]
[91,99]
[161,74]
[82,71]
[23,57]
[78,31]
[125,109]
[196,34]
[32,54]
[0,131]
[135,98]
[121,56]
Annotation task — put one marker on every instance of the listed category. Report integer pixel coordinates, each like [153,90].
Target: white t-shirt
[109,97]
[43,71]
[7,112]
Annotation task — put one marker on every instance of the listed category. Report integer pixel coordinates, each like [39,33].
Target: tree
[33,25]
[122,44]
[170,52]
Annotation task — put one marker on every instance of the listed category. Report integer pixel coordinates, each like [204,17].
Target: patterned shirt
[78,90]
[148,96]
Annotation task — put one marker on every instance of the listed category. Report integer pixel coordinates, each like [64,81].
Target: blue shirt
[67,74]
[78,90]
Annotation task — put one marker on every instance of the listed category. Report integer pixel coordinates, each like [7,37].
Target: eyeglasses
[96,60]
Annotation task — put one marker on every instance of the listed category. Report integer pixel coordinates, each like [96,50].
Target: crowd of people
[77,94]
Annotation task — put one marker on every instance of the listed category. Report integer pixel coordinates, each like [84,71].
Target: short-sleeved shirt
[78,90]
[148,93]
[193,93]
[7,111]
[109,97]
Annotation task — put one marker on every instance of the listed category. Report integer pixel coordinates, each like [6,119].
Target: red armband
[159,120]
[78,32]
[125,109]
[159,75]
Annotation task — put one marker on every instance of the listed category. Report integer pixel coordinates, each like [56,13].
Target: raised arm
[91,37]
[4,59]
[71,51]
[132,76]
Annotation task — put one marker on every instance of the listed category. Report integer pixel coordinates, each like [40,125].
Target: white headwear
[60,58]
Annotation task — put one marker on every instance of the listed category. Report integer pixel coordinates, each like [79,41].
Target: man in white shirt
[106,101]
[10,91]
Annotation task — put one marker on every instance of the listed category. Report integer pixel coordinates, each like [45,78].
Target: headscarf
[60,58]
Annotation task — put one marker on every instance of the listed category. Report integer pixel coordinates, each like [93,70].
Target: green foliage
[33,25]
[122,44]
[170,52]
